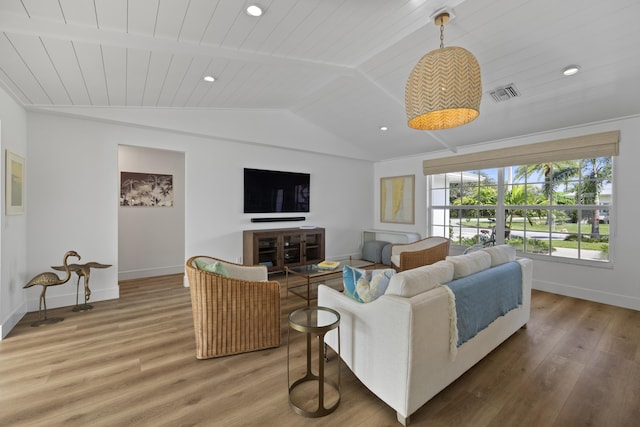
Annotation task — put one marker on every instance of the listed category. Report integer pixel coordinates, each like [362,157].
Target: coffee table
[312,275]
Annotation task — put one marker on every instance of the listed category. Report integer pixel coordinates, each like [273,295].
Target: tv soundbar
[279,219]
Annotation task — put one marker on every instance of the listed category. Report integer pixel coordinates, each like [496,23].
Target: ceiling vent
[504,93]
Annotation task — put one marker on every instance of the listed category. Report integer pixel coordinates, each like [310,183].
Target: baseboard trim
[12,320]
[150,272]
[68,299]
[617,300]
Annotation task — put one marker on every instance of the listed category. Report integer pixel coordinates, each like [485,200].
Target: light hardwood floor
[131,362]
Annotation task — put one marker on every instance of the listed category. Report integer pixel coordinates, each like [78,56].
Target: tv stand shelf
[278,248]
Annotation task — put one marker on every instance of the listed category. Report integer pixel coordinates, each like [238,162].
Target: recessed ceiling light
[209,79]
[254,10]
[383,128]
[570,70]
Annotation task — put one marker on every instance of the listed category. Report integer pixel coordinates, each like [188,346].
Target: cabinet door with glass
[313,247]
[291,249]
[267,250]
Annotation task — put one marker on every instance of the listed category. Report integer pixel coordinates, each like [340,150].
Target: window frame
[500,208]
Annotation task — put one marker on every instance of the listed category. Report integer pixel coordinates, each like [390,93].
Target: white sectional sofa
[402,345]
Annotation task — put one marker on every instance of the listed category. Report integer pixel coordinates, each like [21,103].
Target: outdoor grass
[557,228]
[568,228]
[596,246]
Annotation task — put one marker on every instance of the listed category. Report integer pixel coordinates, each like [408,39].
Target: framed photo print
[14,191]
[397,199]
[146,189]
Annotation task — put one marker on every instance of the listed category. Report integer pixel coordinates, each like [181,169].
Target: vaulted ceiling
[339,64]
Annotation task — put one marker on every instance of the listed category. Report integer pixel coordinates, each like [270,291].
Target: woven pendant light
[444,88]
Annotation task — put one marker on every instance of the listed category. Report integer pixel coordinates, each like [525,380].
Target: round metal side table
[314,322]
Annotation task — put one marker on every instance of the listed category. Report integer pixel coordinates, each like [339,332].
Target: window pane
[594,236]
[454,226]
[563,232]
[515,195]
[537,192]
[439,181]
[439,196]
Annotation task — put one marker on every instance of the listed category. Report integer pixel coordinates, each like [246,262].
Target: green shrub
[533,245]
[574,238]
[469,241]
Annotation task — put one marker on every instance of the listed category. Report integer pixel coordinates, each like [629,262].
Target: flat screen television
[267,191]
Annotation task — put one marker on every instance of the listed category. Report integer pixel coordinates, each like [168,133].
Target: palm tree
[554,173]
[517,196]
[596,173]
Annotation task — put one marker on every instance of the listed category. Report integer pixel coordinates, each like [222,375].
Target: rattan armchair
[233,314]
[423,252]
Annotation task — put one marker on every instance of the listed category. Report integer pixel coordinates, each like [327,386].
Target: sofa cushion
[465,265]
[418,280]
[501,254]
[365,285]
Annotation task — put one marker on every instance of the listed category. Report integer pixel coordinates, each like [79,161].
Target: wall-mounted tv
[267,191]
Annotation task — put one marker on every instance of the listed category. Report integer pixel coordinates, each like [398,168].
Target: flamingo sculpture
[50,279]
[82,270]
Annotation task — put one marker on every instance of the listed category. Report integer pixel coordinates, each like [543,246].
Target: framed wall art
[146,189]
[397,199]
[14,188]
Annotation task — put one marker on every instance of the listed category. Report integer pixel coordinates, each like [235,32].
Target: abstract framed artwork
[14,184]
[146,189]
[397,199]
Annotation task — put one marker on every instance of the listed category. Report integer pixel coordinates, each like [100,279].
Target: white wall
[75,186]
[151,239]
[13,251]
[618,285]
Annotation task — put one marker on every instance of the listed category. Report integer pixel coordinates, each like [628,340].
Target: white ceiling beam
[34,26]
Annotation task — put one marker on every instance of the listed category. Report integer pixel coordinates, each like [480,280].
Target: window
[559,209]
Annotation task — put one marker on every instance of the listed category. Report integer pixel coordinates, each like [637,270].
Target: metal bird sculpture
[82,270]
[50,279]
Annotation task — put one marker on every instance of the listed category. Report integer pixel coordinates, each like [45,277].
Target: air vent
[504,93]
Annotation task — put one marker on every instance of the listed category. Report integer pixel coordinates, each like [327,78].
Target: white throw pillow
[418,280]
[501,254]
[465,265]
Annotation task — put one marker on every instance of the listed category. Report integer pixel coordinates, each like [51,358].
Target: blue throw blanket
[484,296]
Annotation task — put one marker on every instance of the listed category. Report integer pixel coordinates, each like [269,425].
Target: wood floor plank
[132,361]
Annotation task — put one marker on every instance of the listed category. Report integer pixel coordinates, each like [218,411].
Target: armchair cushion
[236,271]
[214,267]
